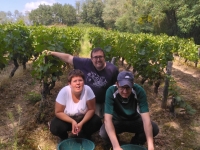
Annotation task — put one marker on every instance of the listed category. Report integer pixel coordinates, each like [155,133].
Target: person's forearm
[63,56]
[64,117]
[87,116]
[111,133]
[149,136]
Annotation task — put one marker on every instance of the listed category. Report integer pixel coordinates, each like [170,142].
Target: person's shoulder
[136,85]
[111,66]
[112,88]
[76,58]
[138,88]
[87,87]
[66,87]
[80,63]
[111,91]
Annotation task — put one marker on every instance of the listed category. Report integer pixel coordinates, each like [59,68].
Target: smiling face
[98,60]
[124,91]
[76,84]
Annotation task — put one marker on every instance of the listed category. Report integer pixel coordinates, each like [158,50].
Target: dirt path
[188,78]
[183,131]
[176,133]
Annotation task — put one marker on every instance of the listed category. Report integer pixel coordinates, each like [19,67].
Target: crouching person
[121,113]
[75,109]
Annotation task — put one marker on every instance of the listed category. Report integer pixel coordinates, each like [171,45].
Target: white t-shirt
[74,109]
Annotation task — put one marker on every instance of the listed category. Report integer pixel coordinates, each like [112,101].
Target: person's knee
[99,110]
[155,129]
[103,132]
[99,123]
[53,130]
[96,121]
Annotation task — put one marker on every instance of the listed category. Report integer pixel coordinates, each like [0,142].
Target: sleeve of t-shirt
[62,95]
[109,100]
[114,71]
[90,93]
[80,62]
[142,99]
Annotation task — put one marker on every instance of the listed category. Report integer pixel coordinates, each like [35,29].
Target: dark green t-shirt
[126,109]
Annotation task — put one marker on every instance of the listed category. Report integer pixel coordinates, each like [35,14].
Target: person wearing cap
[99,74]
[126,110]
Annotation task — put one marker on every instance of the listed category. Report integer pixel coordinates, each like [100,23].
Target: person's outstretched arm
[63,56]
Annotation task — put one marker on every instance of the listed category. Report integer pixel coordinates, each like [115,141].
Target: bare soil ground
[20,131]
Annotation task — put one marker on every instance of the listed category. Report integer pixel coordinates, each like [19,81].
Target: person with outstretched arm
[126,110]
[99,74]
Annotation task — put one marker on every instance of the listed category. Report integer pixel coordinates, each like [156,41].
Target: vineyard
[146,55]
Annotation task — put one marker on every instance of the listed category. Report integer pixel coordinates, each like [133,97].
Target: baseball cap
[125,78]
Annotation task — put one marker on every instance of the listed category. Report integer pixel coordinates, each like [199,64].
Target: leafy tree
[180,18]
[189,19]
[128,18]
[111,12]
[128,15]
[48,15]
[3,17]
[26,18]
[9,14]
[69,15]
[41,15]
[164,14]
[18,16]
[78,7]
[9,17]
[57,13]
[34,17]
[92,11]
[6,17]
[78,10]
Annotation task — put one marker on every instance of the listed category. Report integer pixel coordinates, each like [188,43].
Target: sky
[28,5]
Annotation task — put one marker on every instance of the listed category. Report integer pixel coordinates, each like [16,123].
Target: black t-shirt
[99,81]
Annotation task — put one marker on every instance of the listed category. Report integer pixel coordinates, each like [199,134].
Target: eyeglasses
[97,57]
[122,88]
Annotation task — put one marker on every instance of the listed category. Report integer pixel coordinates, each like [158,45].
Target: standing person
[122,115]
[99,74]
[75,109]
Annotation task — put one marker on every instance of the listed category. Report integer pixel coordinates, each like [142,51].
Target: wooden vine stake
[165,91]
[196,62]
[199,52]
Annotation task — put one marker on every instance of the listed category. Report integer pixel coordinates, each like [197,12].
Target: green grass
[85,47]
[33,97]
[3,145]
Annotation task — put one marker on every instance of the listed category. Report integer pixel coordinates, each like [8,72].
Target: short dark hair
[75,73]
[96,50]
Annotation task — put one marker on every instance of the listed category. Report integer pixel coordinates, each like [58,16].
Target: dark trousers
[135,126]
[60,128]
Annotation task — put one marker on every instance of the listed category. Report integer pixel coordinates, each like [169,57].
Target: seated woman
[75,109]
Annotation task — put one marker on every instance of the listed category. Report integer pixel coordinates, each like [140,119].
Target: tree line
[174,18]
